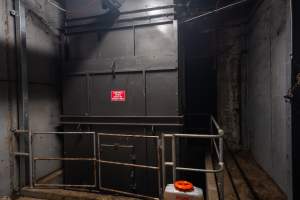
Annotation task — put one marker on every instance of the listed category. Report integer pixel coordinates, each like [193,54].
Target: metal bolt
[13,13]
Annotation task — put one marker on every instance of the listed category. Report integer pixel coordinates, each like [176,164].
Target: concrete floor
[245,180]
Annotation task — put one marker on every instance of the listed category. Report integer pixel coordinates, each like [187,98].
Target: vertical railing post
[163,161]
[158,167]
[221,162]
[99,163]
[211,125]
[95,157]
[30,158]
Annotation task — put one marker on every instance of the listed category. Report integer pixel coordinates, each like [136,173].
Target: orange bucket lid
[184,186]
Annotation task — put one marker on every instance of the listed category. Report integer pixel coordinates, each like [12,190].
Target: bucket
[183,190]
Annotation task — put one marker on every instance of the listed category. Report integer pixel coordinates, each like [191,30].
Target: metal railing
[28,154]
[216,138]
[92,159]
[149,167]
[219,151]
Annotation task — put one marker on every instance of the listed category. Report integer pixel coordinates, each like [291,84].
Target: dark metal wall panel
[83,46]
[138,151]
[155,48]
[83,8]
[118,43]
[101,87]
[162,93]
[78,172]
[75,96]
[156,40]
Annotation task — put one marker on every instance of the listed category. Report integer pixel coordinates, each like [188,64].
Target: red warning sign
[118,95]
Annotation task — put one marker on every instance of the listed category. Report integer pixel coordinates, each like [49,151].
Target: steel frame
[23,105]
[160,153]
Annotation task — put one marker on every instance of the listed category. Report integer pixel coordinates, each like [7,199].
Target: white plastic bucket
[171,193]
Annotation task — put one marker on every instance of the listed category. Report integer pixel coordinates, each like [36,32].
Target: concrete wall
[254,75]
[43,62]
[229,62]
[266,115]
[7,97]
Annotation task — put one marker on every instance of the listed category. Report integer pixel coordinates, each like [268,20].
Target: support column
[23,120]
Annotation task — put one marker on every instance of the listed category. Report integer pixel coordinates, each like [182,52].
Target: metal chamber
[133,51]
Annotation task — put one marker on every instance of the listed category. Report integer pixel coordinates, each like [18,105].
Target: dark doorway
[201,77]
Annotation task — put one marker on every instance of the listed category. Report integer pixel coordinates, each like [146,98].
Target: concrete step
[61,194]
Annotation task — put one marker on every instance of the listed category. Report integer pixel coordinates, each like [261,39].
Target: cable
[56,6]
[215,11]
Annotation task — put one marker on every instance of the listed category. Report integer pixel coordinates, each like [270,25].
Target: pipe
[128,193]
[30,159]
[64,159]
[134,136]
[158,168]
[62,185]
[119,124]
[142,117]
[127,164]
[63,133]
[98,164]
[200,170]
[163,160]
[207,136]
[219,170]
[174,157]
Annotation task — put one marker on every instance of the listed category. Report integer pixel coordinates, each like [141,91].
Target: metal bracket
[113,69]
[13,13]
